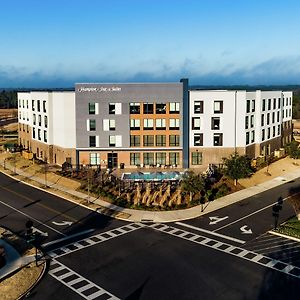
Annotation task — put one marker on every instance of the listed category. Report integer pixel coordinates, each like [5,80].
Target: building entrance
[112,160]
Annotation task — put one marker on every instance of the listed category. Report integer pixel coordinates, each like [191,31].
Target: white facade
[244,118]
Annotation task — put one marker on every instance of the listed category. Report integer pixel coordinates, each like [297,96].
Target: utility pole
[45,170]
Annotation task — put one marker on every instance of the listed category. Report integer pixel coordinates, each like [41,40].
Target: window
[160,140]
[92,141]
[282,101]
[252,121]
[198,107]
[269,104]
[148,124]
[278,130]
[92,108]
[290,100]
[44,106]
[112,141]
[23,105]
[247,138]
[174,140]
[196,158]
[94,158]
[40,120]
[135,159]
[92,125]
[263,135]
[27,104]
[278,102]
[268,118]
[273,117]
[148,140]
[246,122]
[253,105]
[278,116]
[33,132]
[262,120]
[112,124]
[269,132]
[135,124]
[218,139]
[287,102]
[45,136]
[32,103]
[215,123]
[38,105]
[174,124]
[34,119]
[115,108]
[134,108]
[161,158]
[161,108]
[148,108]
[174,158]
[252,136]
[263,104]
[174,107]
[218,107]
[112,108]
[274,131]
[195,123]
[160,124]
[39,134]
[198,139]
[274,103]
[148,158]
[248,106]
[135,141]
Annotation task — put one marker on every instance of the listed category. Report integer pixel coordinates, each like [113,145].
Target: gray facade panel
[117,93]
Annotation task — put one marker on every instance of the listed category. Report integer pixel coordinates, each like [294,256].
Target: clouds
[280,70]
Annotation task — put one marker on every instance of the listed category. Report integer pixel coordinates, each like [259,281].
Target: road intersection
[225,254]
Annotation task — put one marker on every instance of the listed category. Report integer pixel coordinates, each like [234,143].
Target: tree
[292,149]
[237,167]
[192,183]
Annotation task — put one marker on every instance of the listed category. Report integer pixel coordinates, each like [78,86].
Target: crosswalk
[249,255]
[80,285]
[277,247]
[95,239]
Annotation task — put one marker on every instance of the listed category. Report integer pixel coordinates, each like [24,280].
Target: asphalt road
[118,260]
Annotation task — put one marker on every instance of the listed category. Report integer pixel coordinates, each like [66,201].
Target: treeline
[8,99]
[296,104]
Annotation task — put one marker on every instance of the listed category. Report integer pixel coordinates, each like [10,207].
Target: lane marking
[212,233]
[67,237]
[251,256]
[215,220]
[32,218]
[255,212]
[63,223]
[258,248]
[96,290]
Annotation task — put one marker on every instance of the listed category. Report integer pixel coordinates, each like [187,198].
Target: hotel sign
[99,89]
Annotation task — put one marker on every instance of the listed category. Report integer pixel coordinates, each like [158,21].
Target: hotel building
[152,124]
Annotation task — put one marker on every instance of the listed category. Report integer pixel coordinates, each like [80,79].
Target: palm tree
[192,183]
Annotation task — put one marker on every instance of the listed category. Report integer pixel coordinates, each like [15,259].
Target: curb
[284,235]
[25,294]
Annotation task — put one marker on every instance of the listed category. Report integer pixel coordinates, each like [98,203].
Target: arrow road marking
[215,220]
[39,231]
[63,223]
[245,230]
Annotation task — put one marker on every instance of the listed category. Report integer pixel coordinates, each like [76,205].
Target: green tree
[192,183]
[292,149]
[237,167]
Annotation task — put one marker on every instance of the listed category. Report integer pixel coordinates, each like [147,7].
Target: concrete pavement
[134,215]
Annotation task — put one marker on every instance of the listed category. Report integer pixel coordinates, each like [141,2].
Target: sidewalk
[133,215]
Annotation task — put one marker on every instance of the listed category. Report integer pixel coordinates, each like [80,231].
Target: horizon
[213,43]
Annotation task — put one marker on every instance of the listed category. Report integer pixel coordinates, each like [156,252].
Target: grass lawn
[290,227]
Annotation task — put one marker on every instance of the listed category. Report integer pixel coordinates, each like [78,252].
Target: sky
[56,43]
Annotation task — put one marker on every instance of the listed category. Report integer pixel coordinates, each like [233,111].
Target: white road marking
[68,237]
[63,223]
[245,230]
[255,212]
[257,258]
[32,218]
[215,220]
[212,233]
[42,233]
[258,248]
[87,284]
